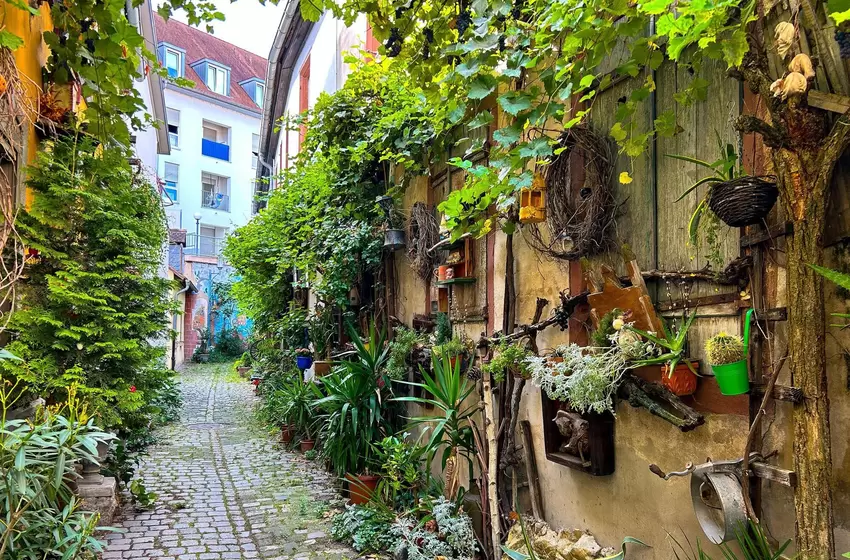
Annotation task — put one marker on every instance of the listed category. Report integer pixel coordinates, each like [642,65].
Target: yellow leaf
[625,178]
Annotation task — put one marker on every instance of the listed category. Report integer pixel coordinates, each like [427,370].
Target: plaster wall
[242,124]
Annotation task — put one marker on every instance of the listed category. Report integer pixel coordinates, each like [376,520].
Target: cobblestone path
[226,490]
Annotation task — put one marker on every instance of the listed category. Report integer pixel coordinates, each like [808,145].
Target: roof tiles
[200,45]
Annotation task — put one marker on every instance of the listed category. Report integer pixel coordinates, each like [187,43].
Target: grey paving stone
[226,490]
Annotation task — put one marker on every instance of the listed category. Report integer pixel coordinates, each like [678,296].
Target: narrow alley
[225,489]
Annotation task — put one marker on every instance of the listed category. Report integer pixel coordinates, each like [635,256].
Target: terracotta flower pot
[361,487]
[321,368]
[683,381]
[287,433]
[243,371]
[307,444]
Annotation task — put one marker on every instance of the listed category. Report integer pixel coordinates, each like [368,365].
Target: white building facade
[306,60]
[213,130]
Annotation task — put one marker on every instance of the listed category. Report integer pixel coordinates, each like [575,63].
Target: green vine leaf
[482,86]
[515,101]
[10,41]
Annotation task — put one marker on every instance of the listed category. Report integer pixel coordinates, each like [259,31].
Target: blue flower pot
[303,362]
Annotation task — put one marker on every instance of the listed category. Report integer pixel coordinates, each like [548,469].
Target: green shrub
[400,348]
[228,345]
[367,529]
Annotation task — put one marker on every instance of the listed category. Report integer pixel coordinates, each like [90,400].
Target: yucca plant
[724,348]
[447,391]
[357,412]
[752,541]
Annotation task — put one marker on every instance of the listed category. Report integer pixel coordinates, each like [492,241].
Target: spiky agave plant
[724,348]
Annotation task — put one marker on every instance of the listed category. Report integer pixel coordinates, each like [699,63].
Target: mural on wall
[219,310]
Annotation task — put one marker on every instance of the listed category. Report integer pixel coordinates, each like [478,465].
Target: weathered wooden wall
[633,501]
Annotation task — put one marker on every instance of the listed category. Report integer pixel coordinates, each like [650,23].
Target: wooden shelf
[467,280]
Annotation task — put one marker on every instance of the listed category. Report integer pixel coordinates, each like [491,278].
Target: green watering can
[734,378]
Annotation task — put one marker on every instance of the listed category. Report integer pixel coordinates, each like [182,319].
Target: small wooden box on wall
[599,461]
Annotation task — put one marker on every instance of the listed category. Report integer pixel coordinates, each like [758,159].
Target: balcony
[215,150]
[204,245]
[215,200]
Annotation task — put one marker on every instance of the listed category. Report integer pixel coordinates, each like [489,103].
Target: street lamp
[197,217]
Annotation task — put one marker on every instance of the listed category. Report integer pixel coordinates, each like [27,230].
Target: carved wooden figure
[576,429]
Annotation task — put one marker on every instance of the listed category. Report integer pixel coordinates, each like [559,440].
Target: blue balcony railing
[215,149]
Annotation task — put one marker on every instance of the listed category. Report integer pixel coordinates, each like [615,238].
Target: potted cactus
[727,355]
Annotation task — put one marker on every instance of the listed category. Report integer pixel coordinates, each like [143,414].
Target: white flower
[79,346]
[618,323]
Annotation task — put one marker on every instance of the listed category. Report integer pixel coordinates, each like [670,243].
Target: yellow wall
[30,59]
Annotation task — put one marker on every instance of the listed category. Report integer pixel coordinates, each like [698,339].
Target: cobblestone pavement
[226,490]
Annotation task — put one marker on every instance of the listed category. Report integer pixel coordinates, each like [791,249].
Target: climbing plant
[322,218]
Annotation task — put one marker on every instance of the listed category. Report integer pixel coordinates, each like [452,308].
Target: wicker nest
[423,232]
[579,221]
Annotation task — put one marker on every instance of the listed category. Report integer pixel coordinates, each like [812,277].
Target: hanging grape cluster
[393,44]
[843,40]
[464,20]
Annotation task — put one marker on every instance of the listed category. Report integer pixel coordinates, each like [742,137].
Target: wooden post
[492,466]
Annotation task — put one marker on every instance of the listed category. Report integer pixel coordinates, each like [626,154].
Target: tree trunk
[804,188]
[492,466]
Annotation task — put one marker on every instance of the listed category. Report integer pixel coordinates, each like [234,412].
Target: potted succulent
[678,374]
[303,358]
[452,349]
[727,355]
[321,328]
[508,358]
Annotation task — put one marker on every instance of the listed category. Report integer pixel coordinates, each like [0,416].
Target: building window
[259,94]
[215,192]
[216,141]
[173,128]
[173,63]
[255,150]
[217,79]
[170,178]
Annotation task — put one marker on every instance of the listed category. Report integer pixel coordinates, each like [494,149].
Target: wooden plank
[531,472]
[829,101]
[762,235]
[697,302]
[775,474]
[780,392]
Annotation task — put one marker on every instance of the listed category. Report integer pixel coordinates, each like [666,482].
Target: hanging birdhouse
[532,202]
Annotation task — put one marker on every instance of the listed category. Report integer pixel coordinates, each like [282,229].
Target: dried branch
[771,135]
[745,478]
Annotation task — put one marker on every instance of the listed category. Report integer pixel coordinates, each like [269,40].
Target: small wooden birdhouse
[532,202]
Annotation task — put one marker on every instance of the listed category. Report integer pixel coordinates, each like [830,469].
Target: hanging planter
[394,239]
[532,202]
[743,201]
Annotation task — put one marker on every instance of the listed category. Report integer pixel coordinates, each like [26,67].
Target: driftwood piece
[608,294]
[736,273]
[567,308]
[531,470]
[658,400]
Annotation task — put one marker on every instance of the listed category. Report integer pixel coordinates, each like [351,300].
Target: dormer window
[259,94]
[173,62]
[217,79]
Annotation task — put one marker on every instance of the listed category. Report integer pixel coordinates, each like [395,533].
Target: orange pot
[443,272]
[286,433]
[321,368]
[307,444]
[683,381]
[361,488]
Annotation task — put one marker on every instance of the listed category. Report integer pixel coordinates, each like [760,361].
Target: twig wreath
[578,222]
[423,232]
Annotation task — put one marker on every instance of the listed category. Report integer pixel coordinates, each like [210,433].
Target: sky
[247,24]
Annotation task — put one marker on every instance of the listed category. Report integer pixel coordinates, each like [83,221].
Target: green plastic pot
[734,379]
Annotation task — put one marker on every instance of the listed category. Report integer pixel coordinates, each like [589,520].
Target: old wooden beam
[773,232]
[531,470]
[829,101]
[780,392]
[781,476]
[697,302]
[771,315]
